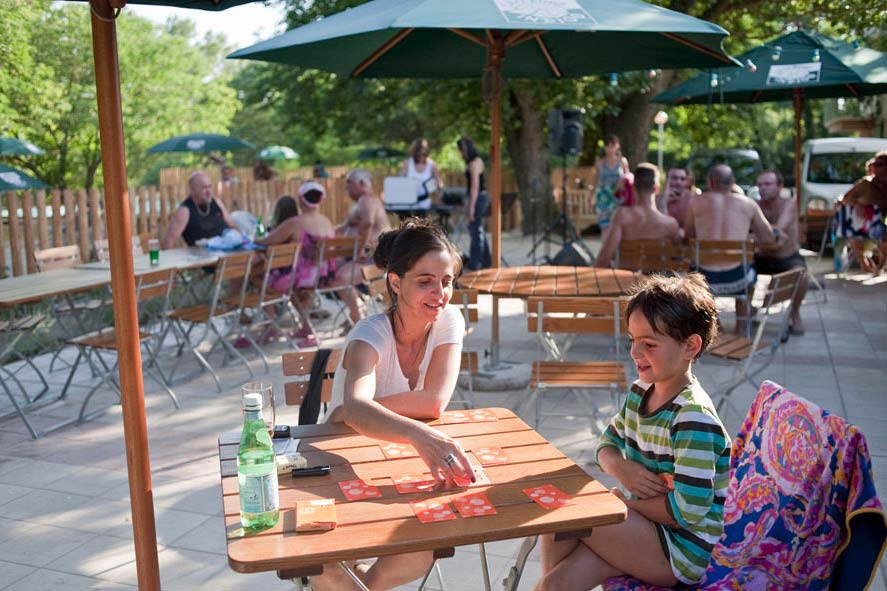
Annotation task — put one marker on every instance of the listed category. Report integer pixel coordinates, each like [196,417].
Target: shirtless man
[641,221]
[200,215]
[784,255]
[674,200]
[366,220]
[719,214]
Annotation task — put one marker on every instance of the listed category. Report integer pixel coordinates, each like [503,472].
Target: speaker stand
[568,230]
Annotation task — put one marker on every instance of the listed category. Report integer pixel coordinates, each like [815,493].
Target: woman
[422,168]
[401,366]
[478,200]
[607,174]
[307,228]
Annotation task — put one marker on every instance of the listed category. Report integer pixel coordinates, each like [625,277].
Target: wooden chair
[574,316]
[60,257]
[269,305]
[156,285]
[298,365]
[102,252]
[742,352]
[231,276]
[377,285]
[729,253]
[469,368]
[328,251]
[652,256]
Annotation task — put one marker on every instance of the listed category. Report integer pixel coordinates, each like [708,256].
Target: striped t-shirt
[685,438]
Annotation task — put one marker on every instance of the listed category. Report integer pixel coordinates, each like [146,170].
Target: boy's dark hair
[399,250]
[678,307]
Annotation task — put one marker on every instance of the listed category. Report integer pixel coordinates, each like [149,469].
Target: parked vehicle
[831,166]
[746,165]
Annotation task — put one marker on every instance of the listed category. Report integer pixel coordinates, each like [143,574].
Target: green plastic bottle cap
[252,402]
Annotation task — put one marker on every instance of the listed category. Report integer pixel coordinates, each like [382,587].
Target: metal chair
[329,251]
[231,277]
[466,299]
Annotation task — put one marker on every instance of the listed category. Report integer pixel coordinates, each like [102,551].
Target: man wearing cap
[200,215]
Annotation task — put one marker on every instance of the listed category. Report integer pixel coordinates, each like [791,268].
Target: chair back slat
[103,251]
[60,257]
[470,362]
[298,364]
[336,248]
[466,301]
[652,255]
[234,266]
[154,284]
[721,252]
[281,256]
[782,287]
[588,315]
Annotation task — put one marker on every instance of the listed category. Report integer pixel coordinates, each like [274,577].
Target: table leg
[485,567]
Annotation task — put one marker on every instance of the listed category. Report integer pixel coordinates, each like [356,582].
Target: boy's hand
[639,481]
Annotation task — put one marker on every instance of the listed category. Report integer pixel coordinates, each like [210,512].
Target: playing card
[489,456]
[480,478]
[413,483]
[548,496]
[394,451]
[668,479]
[481,415]
[357,490]
[474,505]
[431,511]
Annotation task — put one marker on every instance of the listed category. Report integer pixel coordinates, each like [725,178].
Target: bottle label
[258,494]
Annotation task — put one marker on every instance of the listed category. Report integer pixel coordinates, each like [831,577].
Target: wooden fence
[77,216]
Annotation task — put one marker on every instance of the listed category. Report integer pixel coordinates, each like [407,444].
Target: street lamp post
[660,119]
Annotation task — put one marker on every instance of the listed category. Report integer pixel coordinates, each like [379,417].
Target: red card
[470,415]
[474,505]
[394,451]
[668,479]
[480,478]
[357,490]
[431,511]
[548,496]
[489,456]
[413,483]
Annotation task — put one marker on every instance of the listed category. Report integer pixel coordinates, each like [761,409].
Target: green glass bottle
[256,469]
[260,227]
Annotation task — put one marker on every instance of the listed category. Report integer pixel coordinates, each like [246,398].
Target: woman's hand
[639,481]
[444,456]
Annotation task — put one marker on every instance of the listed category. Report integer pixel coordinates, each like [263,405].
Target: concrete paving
[64,506]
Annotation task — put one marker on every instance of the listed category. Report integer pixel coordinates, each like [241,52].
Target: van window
[837,168]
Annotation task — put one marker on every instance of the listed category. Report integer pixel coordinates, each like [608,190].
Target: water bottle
[260,227]
[256,469]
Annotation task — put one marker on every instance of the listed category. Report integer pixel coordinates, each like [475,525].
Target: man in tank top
[199,216]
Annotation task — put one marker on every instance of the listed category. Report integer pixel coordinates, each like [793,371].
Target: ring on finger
[450,460]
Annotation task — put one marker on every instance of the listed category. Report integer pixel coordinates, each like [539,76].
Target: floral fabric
[802,512]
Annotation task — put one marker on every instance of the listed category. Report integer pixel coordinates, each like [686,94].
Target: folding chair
[231,276]
[103,253]
[801,511]
[377,286]
[331,251]
[652,256]
[466,299]
[155,285]
[706,253]
[298,365]
[573,316]
[270,303]
[743,351]
[12,331]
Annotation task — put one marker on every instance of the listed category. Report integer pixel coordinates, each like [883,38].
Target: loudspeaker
[574,254]
[565,131]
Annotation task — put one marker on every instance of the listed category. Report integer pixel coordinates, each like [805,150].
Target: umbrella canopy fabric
[201,142]
[433,39]
[278,153]
[12,179]
[818,65]
[199,4]
[11,145]
[380,153]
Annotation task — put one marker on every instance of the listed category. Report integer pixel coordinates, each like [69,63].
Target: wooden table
[544,280]
[387,525]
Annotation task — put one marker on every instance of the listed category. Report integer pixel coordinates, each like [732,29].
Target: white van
[831,166]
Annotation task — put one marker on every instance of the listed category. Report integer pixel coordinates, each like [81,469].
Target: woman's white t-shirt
[422,177]
[376,331]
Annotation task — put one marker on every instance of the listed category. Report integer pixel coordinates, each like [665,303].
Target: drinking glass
[154,251]
[267,392]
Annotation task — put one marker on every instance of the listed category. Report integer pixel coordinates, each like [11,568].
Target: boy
[666,446]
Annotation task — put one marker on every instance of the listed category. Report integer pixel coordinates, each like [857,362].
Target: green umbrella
[278,153]
[201,142]
[11,145]
[793,67]
[12,179]
[380,153]
[492,39]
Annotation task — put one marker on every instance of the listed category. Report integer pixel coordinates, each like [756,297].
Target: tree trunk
[635,119]
[524,129]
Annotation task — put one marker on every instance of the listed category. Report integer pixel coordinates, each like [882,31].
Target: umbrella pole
[495,55]
[126,323]
[798,101]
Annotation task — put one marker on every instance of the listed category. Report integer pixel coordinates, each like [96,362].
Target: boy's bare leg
[631,547]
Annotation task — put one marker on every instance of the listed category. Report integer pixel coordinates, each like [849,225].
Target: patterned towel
[859,222]
[802,512]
